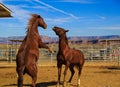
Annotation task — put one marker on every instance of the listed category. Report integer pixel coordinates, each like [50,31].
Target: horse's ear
[66,30]
[39,16]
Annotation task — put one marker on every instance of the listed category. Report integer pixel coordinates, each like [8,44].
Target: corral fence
[92,52]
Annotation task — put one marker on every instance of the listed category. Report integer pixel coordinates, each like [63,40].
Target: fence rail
[91,52]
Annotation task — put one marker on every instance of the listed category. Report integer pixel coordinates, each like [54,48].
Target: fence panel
[91,52]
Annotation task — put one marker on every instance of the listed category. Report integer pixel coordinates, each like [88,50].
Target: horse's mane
[65,38]
[31,21]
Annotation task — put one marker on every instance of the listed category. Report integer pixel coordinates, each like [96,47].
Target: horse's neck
[63,43]
[33,32]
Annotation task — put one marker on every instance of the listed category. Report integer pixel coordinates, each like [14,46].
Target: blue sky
[81,17]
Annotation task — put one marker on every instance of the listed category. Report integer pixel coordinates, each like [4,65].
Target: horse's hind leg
[32,71]
[20,76]
[79,73]
[34,81]
[72,72]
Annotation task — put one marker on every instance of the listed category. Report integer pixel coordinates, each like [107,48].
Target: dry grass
[94,74]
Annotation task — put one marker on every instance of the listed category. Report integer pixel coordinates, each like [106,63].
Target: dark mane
[31,21]
[66,39]
[63,41]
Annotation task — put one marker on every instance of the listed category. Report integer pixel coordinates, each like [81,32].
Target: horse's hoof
[65,84]
[78,85]
[68,85]
[58,85]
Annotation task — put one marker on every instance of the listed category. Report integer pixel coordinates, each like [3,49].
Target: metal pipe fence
[91,52]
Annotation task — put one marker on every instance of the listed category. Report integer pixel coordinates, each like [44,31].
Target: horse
[28,52]
[70,57]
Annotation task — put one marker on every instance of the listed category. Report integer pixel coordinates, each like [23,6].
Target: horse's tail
[79,66]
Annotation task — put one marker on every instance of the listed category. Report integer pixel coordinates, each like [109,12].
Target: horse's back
[77,52]
[77,56]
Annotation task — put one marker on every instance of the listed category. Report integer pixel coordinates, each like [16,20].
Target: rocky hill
[48,39]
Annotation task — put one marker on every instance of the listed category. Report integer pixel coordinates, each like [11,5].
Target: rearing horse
[69,57]
[28,52]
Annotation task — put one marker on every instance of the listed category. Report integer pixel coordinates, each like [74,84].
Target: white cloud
[106,28]
[19,13]
[58,20]
[77,1]
[1,1]
[102,17]
[55,9]
[112,28]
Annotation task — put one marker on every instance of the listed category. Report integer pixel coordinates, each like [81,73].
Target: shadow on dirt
[114,68]
[46,84]
[109,69]
[42,84]
[15,85]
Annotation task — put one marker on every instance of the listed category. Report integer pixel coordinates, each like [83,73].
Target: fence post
[10,55]
[51,57]
[118,56]
[118,60]
[91,56]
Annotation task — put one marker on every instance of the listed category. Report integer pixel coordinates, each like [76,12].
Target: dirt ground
[94,74]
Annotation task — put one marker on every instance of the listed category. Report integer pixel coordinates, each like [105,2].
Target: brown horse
[69,57]
[28,52]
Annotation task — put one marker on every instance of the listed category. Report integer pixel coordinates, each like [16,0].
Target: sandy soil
[94,74]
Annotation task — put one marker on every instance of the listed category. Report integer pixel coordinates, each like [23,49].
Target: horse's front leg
[59,75]
[59,66]
[43,45]
[65,72]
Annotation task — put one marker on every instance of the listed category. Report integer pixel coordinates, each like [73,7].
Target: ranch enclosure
[92,52]
[101,69]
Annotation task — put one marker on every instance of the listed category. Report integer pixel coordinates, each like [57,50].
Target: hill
[47,39]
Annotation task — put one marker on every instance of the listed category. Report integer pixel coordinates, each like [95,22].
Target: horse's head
[59,31]
[40,21]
